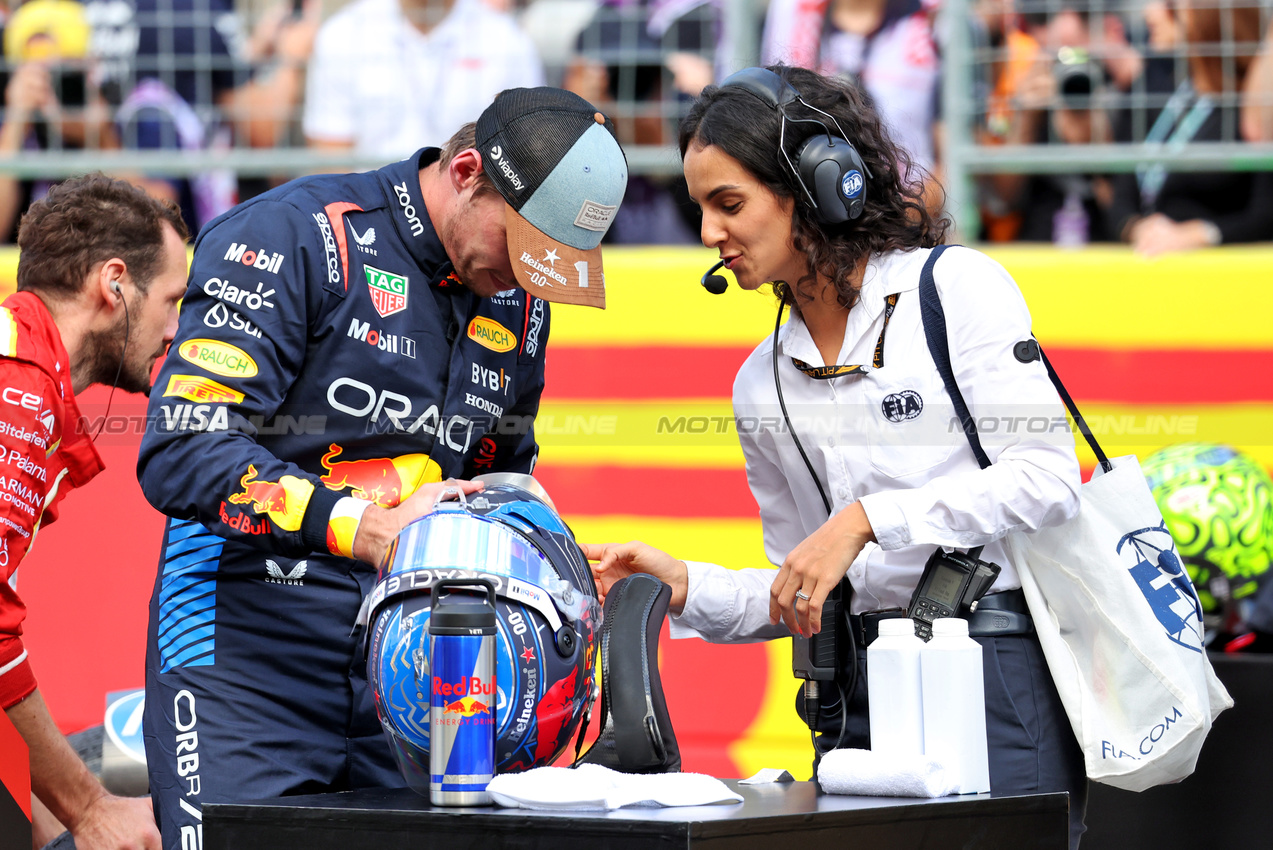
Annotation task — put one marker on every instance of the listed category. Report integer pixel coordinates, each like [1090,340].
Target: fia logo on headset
[851,184]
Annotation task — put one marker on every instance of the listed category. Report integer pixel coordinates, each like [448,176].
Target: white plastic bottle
[955,704]
[893,686]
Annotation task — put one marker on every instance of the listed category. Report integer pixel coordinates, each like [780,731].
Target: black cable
[846,690]
[118,369]
[812,707]
[790,428]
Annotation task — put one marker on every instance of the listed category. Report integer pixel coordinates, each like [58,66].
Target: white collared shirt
[377,81]
[891,440]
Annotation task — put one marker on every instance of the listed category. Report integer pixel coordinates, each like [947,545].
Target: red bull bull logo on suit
[383,480]
[284,501]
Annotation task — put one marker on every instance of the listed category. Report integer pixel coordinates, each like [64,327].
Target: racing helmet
[548,623]
[1218,504]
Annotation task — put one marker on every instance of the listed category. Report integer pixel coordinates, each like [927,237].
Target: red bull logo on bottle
[469,708]
[462,717]
[470,705]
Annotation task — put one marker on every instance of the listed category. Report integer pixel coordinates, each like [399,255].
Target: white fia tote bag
[1121,627]
[1116,614]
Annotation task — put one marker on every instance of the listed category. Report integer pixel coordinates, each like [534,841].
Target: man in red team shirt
[101,271]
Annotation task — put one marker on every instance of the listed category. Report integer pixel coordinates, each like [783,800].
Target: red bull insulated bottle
[462,709]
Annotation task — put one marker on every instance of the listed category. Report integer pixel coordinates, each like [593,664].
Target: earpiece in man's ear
[115,288]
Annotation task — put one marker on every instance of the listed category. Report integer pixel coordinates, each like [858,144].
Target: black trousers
[1031,746]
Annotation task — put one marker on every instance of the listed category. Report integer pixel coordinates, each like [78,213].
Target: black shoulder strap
[939,347]
[1074,411]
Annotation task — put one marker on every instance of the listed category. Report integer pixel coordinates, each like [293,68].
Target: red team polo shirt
[45,451]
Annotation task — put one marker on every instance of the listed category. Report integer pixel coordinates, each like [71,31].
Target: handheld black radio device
[814,658]
[950,587]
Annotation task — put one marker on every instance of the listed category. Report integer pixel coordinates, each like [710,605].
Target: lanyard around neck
[824,373]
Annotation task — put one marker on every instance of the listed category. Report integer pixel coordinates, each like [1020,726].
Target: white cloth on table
[591,786]
[869,773]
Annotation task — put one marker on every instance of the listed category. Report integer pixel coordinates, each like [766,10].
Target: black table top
[768,812]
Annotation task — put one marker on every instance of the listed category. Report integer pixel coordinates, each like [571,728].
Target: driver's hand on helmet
[615,561]
[379,526]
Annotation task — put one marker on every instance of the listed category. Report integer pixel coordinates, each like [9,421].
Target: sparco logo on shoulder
[329,246]
[533,326]
[404,201]
[258,259]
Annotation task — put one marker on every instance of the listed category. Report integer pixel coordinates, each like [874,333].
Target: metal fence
[967,100]
[203,49]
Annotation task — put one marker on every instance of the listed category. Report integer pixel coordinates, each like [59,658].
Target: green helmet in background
[1218,504]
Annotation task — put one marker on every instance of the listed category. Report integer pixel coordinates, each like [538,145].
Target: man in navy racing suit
[346,342]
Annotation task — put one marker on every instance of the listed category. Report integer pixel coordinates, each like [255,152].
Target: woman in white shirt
[871,471]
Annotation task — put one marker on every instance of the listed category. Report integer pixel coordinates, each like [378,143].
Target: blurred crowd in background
[356,83]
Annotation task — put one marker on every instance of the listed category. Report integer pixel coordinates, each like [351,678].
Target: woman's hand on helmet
[379,526]
[615,561]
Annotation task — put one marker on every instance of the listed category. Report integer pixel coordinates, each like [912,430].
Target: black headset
[828,163]
[828,168]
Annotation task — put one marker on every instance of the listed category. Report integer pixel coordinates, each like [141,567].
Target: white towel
[884,774]
[591,786]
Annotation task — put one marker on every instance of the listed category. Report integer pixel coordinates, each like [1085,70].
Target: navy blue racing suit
[326,348]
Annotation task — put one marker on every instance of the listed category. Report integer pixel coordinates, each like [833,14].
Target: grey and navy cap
[556,161]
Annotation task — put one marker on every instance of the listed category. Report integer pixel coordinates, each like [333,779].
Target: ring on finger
[800,594]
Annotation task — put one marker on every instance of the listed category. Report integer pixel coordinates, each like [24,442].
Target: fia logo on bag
[1156,568]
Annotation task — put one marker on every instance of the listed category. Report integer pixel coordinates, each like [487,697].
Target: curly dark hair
[894,216]
[88,220]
